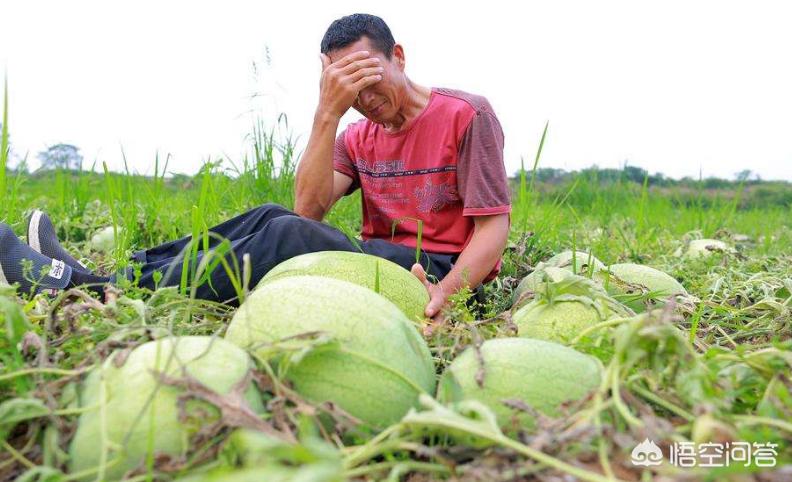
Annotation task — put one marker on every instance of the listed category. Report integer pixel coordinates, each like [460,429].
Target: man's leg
[279,239]
[233,229]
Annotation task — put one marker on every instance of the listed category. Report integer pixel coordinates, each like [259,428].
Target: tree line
[634,174]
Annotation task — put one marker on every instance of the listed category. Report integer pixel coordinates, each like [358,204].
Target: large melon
[378,364]
[541,374]
[384,276]
[130,414]
[634,279]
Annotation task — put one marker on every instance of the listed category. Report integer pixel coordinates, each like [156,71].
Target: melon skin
[582,261]
[377,364]
[539,373]
[104,240]
[258,457]
[266,473]
[703,248]
[536,279]
[397,284]
[618,278]
[559,321]
[138,407]
[557,268]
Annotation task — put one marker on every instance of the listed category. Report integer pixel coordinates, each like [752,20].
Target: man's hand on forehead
[343,79]
[362,59]
[351,57]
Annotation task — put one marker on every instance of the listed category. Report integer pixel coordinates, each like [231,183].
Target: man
[429,162]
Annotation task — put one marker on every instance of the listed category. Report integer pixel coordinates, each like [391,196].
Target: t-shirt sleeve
[342,162]
[481,173]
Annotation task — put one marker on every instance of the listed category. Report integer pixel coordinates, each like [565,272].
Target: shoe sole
[33,229]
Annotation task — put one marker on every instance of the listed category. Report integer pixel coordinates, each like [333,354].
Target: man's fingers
[352,67]
[431,310]
[434,309]
[359,55]
[359,74]
[418,271]
[325,61]
[366,81]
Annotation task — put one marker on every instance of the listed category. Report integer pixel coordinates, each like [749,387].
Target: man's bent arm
[339,86]
[314,179]
[480,256]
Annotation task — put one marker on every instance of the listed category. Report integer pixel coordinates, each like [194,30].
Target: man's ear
[398,56]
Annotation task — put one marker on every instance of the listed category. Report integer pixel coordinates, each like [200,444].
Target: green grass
[4,150]
[728,359]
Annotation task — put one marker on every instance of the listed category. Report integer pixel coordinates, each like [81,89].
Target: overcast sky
[669,86]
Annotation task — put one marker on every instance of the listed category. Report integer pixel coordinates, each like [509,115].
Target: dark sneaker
[20,264]
[43,239]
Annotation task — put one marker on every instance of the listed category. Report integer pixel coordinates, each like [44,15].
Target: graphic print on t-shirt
[391,193]
[434,197]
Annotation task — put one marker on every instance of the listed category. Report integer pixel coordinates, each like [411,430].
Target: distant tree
[715,183]
[635,174]
[64,156]
[549,174]
[743,175]
[657,179]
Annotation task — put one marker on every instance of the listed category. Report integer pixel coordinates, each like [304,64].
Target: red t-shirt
[444,168]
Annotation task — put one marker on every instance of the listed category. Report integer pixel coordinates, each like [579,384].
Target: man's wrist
[323,116]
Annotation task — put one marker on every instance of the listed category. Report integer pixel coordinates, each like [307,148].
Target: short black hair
[348,30]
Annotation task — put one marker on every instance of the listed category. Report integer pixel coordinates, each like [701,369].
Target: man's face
[381,101]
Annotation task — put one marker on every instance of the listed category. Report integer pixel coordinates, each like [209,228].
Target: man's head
[382,101]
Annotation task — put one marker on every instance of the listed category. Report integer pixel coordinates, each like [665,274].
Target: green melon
[560,321]
[138,416]
[395,283]
[633,279]
[563,306]
[702,248]
[541,374]
[378,364]
[258,457]
[536,280]
[266,473]
[555,269]
[577,261]
[104,240]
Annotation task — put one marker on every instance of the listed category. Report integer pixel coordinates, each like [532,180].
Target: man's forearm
[480,255]
[313,185]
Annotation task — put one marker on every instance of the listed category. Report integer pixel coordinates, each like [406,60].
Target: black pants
[270,234]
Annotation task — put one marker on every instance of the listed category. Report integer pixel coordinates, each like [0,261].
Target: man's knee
[288,224]
[275,208]
[295,235]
